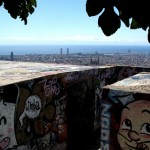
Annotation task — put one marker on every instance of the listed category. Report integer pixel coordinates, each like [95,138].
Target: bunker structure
[58,107]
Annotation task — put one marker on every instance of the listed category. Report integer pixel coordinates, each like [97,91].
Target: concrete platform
[13,72]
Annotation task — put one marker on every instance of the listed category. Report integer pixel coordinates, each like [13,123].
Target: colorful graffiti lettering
[105,126]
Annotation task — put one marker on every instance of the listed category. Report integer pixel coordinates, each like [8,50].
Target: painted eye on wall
[126,125]
[145,129]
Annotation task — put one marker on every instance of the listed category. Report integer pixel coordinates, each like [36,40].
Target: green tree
[134,13]
[19,8]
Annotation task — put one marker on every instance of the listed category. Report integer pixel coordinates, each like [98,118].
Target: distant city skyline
[60,23]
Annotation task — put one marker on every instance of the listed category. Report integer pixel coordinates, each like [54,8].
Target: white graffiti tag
[51,87]
[32,108]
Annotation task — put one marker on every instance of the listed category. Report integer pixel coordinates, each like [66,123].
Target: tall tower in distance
[11,56]
[67,51]
[61,52]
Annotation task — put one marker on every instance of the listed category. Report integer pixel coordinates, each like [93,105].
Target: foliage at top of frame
[134,14]
[19,8]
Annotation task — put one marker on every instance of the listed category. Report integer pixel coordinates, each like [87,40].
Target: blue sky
[63,22]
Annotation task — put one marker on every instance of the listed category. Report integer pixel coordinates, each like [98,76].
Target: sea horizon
[73,49]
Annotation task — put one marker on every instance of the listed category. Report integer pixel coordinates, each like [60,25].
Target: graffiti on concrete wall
[76,76]
[8,99]
[33,115]
[125,121]
[108,76]
[126,72]
[104,77]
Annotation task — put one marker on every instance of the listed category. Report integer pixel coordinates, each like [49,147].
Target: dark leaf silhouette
[135,25]
[109,22]
[1,2]
[136,11]
[149,35]
[94,7]
[19,8]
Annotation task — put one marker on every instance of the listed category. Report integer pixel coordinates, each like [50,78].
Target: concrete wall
[56,112]
[50,112]
[108,76]
[33,114]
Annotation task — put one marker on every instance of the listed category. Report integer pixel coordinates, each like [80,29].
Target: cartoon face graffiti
[134,130]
